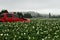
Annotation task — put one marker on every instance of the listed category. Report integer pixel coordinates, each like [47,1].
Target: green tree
[39,15]
[49,15]
[4,11]
[27,15]
[20,15]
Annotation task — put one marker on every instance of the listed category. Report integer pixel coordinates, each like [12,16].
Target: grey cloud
[29,4]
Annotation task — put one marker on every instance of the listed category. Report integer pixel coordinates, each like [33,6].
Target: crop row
[35,30]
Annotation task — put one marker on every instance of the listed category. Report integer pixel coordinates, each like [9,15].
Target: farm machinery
[8,17]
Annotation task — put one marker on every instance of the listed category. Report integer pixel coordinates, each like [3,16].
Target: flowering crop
[37,29]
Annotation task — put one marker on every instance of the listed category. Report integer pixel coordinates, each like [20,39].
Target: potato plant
[37,29]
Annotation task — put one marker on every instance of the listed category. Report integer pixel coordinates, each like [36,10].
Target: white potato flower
[24,33]
[57,30]
[15,35]
[42,39]
[45,38]
[33,27]
[29,37]
[5,37]
[1,34]
[37,32]
[19,36]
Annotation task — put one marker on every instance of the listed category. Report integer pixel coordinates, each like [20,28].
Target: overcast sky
[41,6]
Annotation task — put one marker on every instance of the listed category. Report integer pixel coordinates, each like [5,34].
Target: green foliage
[4,11]
[27,15]
[49,15]
[37,29]
[20,15]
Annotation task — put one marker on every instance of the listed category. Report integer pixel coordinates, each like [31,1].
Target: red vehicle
[6,17]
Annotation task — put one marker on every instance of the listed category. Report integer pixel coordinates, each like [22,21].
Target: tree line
[28,15]
[54,16]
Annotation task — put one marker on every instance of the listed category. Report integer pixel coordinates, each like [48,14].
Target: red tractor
[6,17]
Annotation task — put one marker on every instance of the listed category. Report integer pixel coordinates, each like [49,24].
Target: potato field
[36,29]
